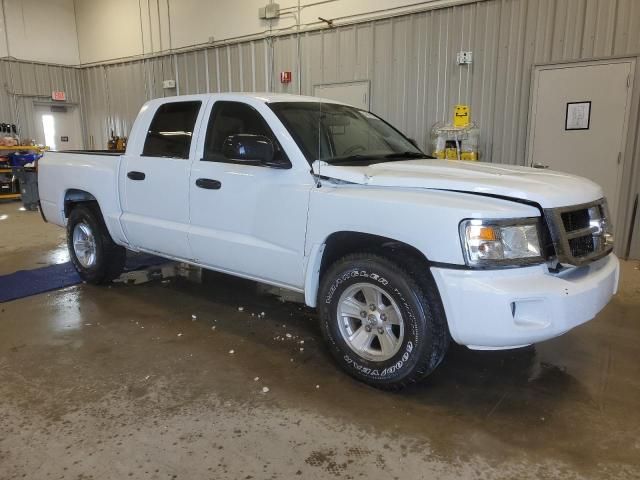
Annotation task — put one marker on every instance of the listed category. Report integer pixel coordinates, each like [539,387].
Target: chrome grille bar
[583,232]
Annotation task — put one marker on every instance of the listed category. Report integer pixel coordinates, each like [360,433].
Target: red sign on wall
[285,77]
[59,96]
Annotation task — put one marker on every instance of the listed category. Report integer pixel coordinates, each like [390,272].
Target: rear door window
[171,130]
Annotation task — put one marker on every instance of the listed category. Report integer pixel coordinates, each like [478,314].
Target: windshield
[342,134]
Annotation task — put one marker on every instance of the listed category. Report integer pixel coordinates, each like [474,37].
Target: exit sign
[60,96]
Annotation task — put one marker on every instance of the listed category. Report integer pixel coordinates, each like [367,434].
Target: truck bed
[74,172]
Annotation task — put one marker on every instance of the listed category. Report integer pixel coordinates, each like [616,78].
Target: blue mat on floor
[32,282]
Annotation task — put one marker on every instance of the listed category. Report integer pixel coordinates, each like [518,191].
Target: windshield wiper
[375,158]
[406,155]
[351,158]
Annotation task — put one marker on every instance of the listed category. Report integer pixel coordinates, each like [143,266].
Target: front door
[155,182]
[246,219]
[579,119]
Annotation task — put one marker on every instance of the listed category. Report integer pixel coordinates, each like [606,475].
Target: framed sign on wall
[578,116]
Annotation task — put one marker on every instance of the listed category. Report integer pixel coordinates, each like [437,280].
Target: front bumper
[497,309]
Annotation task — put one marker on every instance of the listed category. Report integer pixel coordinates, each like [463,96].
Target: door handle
[540,165]
[208,184]
[139,176]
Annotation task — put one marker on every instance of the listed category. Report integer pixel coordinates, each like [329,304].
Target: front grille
[581,246]
[580,234]
[576,219]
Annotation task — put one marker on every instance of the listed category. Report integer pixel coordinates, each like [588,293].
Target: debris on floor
[138,277]
[282,294]
[265,389]
[162,272]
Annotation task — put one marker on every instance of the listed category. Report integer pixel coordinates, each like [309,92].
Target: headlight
[501,242]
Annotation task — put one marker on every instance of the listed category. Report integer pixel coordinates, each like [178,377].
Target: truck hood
[547,188]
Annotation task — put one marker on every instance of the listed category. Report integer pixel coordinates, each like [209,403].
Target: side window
[171,130]
[233,118]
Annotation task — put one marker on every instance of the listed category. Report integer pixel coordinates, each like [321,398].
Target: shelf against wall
[24,148]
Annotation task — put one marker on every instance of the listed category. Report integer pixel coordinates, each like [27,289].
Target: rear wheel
[384,326]
[93,252]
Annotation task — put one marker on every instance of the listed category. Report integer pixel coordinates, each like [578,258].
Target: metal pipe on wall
[299,52]
[6,32]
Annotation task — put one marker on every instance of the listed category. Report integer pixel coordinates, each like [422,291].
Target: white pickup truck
[400,253]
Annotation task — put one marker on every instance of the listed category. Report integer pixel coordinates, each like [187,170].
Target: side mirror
[252,149]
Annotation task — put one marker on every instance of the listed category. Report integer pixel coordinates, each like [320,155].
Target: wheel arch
[106,206]
[74,196]
[341,243]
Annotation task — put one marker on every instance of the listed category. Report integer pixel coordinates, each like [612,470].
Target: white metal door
[58,126]
[351,93]
[579,119]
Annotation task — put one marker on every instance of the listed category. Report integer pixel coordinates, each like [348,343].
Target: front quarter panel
[425,219]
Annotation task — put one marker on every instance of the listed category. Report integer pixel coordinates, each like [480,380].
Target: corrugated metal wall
[114,93]
[410,61]
[26,83]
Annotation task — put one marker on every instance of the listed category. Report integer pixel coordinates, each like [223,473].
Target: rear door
[155,180]
[248,219]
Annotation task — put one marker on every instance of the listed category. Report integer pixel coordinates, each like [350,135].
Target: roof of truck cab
[285,97]
[265,97]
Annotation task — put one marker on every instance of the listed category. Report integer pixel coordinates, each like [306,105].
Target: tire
[91,235]
[412,337]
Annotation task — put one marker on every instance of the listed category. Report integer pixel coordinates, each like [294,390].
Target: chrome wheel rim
[84,245]
[370,322]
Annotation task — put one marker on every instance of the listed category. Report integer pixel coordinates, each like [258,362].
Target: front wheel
[92,250]
[383,325]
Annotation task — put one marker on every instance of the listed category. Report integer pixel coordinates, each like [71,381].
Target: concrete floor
[121,382]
